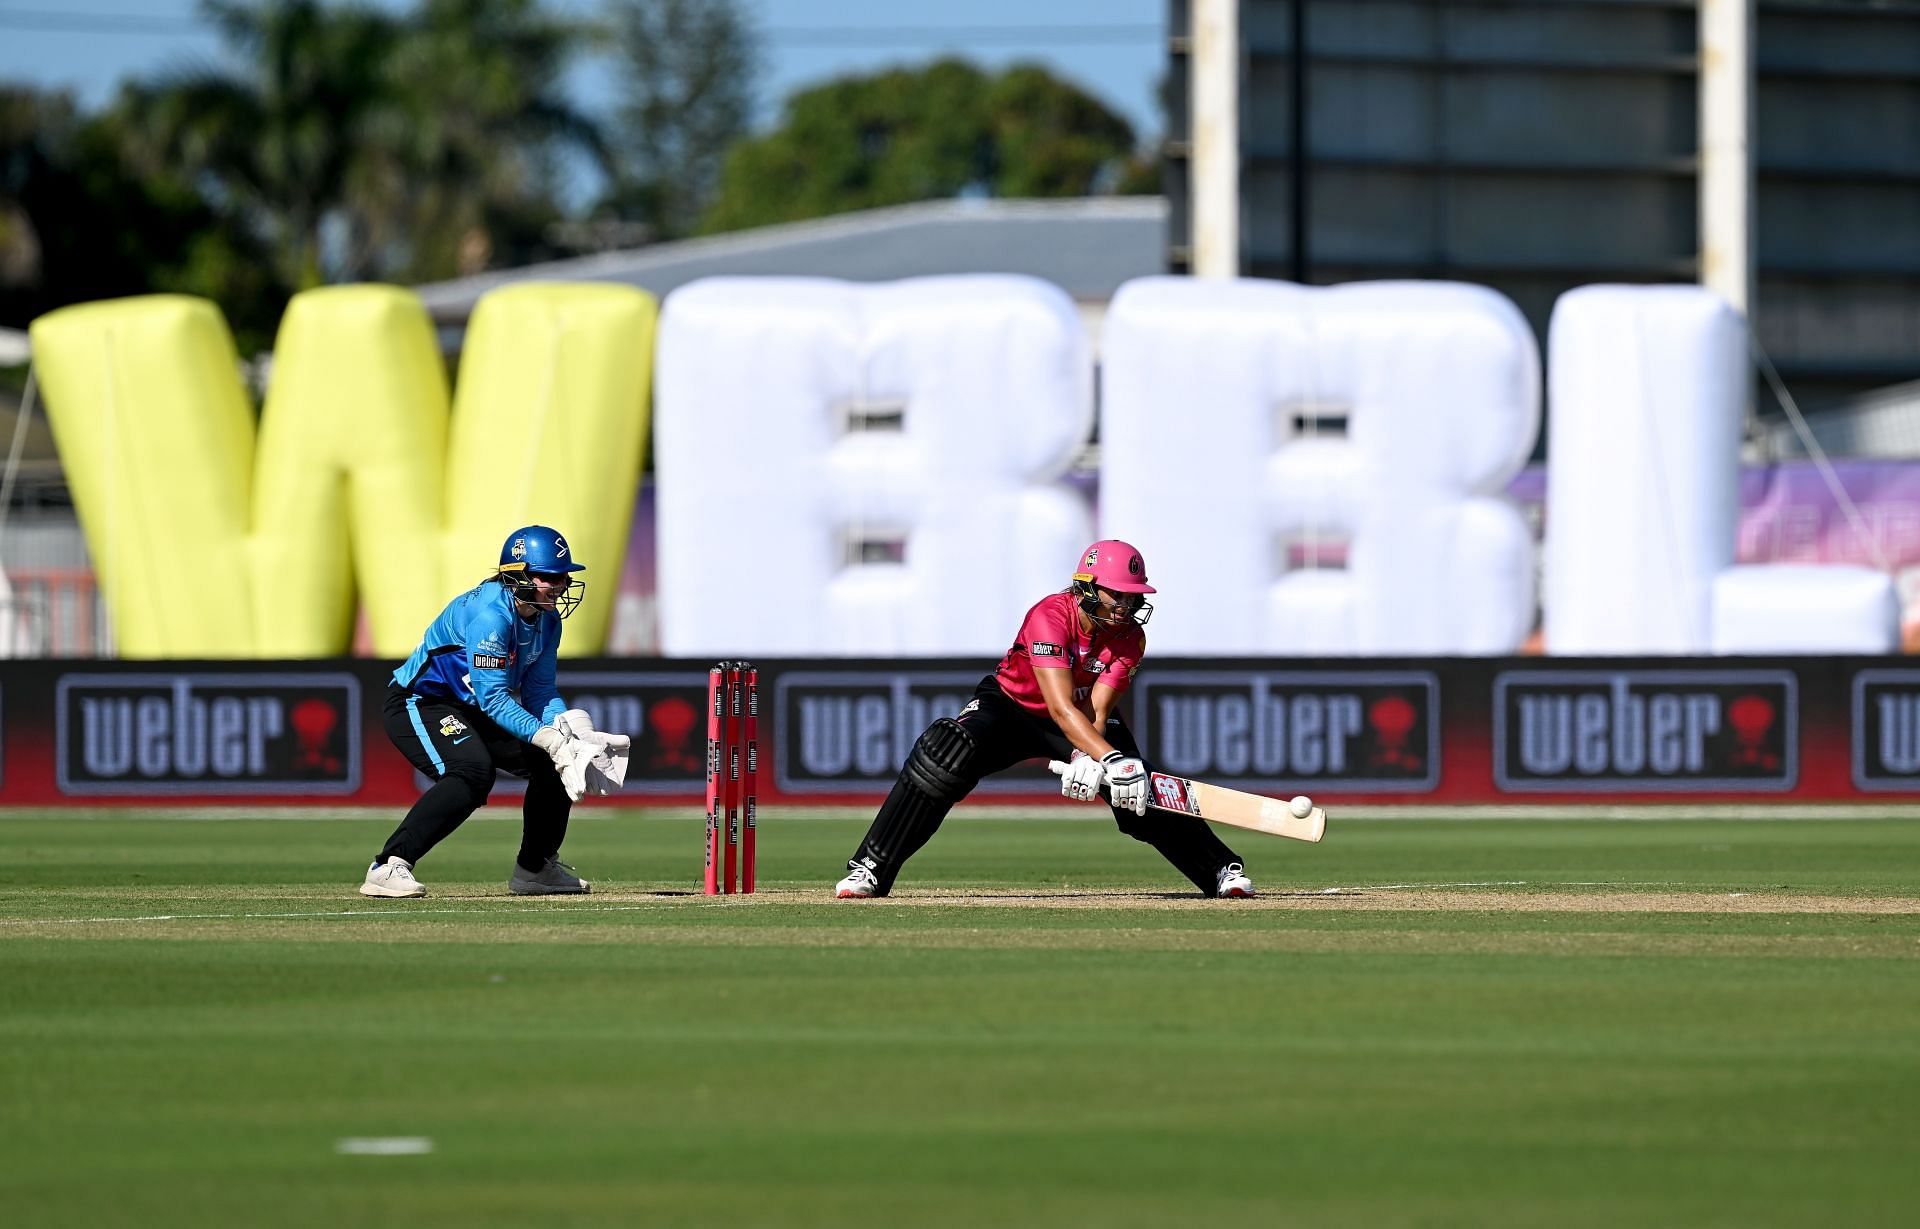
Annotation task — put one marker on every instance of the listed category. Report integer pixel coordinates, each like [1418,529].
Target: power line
[825,37]
[97,23]
[893,36]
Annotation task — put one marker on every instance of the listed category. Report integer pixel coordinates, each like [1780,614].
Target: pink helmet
[1113,564]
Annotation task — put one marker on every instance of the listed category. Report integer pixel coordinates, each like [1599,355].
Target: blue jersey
[480,651]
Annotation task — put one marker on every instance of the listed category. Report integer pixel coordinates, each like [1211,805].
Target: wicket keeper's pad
[354,472]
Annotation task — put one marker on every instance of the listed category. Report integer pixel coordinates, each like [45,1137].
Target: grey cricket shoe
[1233,881]
[556,878]
[394,877]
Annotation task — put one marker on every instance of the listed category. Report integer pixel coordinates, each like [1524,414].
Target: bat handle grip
[1057,767]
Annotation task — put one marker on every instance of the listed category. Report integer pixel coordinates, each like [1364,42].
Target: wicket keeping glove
[1081,780]
[577,724]
[569,756]
[1126,782]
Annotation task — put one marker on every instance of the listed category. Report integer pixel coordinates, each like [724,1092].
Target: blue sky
[1113,48]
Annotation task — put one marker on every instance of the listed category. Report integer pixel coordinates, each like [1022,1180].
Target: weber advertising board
[848,730]
[1376,731]
[1886,730]
[1652,730]
[1455,731]
[214,733]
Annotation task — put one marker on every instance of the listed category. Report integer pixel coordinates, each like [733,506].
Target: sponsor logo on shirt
[489,661]
[1046,648]
[492,644]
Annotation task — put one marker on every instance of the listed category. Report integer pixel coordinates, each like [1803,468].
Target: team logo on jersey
[973,706]
[1095,667]
[1046,648]
[451,725]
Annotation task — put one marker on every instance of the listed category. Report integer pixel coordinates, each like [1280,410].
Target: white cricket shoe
[858,885]
[394,877]
[556,878]
[1233,881]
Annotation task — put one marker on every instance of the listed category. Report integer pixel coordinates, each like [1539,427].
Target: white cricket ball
[1301,806]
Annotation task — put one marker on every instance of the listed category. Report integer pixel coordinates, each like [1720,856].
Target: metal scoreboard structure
[1535,147]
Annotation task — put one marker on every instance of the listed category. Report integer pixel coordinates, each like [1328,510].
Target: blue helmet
[540,551]
[537,549]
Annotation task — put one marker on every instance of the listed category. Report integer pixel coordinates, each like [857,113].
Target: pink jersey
[1050,639]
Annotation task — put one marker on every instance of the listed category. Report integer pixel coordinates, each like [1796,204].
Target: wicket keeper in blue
[477,698]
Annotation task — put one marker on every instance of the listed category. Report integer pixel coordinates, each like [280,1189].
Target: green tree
[686,71]
[486,129]
[361,145]
[922,134]
[83,220]
[291,144]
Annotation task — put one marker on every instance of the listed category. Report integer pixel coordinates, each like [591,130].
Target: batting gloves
[1081,780]
[1126,781]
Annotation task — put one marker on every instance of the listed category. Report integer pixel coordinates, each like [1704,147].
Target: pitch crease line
[343,913]
[1393,887]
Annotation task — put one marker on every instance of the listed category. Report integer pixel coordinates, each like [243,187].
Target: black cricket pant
[463,750]
[1005,734]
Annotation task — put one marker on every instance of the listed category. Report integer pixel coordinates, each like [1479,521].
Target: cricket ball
[1301,806]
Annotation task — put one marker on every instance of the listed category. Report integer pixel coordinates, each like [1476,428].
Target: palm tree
[487,124]
[361,145]
[293,143]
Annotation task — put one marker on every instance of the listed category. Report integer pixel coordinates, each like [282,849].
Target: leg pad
[941,763]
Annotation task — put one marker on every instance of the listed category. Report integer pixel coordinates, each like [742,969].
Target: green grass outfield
[1421,1022]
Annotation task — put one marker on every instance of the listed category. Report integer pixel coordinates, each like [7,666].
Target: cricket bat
[1220,805]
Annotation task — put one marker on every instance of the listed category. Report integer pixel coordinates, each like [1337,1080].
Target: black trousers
[1004,734]
[464,751]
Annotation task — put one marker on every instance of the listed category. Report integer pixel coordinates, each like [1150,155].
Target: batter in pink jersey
[1058,635]
[1053,696]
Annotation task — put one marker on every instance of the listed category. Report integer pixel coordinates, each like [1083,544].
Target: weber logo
[1886,730]
[1374,730]
[851,730]
[208,733]
[1652,730]
[1046,648]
